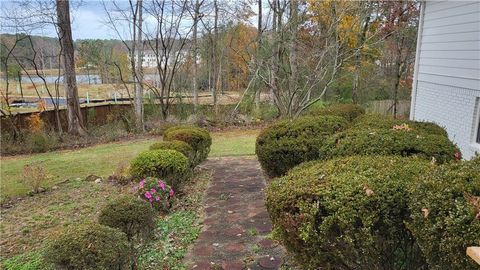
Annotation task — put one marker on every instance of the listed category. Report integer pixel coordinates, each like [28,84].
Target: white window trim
[476,124]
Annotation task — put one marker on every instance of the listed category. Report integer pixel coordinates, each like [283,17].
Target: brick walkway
[236,223]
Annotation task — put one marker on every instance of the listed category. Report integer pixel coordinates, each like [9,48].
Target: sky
[88,19]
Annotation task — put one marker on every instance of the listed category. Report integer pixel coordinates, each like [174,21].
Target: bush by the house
[131,215]
[347,111]
[347,213]
[376,121]
[198,138]
[180,146]
[402,142]
[170,165]
[288,143]
[156,192]
[89,246]
[445,211]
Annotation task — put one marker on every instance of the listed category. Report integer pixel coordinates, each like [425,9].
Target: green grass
[101,160]
[234,143]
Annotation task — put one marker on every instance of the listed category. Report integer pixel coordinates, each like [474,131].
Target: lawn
[102,160]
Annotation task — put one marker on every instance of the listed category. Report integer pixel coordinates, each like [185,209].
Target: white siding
[447,80]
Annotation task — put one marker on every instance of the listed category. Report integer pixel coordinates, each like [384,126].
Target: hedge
[131,215]
[168,165]
[198,138]
[389,142]
[288,143]
[445,212]
[376,121]
[89,246]
[347,111]
[347,213]
[179,146]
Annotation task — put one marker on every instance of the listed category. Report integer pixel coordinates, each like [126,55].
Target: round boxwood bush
[445,211]
[131,215]
[347,111]
[288,143]
[198,138]
[376,121]
[180,146]
[89,246]
[347,213]
[169,165]
[390,142]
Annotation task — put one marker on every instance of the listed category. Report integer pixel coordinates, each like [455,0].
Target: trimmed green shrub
[288,143]
[89,246]
[169,165]
[347,213]
[131,215]
[377,121]
[445,212]
[198,138]
[180,146]
[389,142]
[347,111]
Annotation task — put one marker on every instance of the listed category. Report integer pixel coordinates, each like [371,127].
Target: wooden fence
[385,107]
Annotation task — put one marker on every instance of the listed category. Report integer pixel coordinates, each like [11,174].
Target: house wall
[446,87]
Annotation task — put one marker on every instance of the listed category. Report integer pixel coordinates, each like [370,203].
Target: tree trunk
[358,59]
[259,64]
[74,115]
[214,56]
[195,52]
[293,56]
[138,103]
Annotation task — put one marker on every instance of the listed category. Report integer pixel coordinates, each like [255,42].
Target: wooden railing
[474,253]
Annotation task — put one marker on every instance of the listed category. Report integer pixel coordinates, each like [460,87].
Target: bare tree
[167,40]
[127,23]
[196,18]
[259,48]
[139,88]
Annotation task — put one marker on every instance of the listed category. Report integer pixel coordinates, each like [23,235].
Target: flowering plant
[157,192]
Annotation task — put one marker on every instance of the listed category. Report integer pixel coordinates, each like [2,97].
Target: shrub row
[129,220]
[198,138]
[173,159]
[288,143]
[347,111]
[378,212]
[389,142]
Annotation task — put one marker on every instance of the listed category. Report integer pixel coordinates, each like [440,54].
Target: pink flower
[161,184]
[150,199]
[171,192]
[148,195]
[142,183]
[153,190]
[157,198]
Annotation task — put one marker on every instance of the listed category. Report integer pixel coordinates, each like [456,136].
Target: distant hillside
[47,50]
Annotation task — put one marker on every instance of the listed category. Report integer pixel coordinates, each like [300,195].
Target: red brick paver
[236,223]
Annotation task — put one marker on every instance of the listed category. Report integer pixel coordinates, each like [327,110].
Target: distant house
[149,59]
[446,85]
